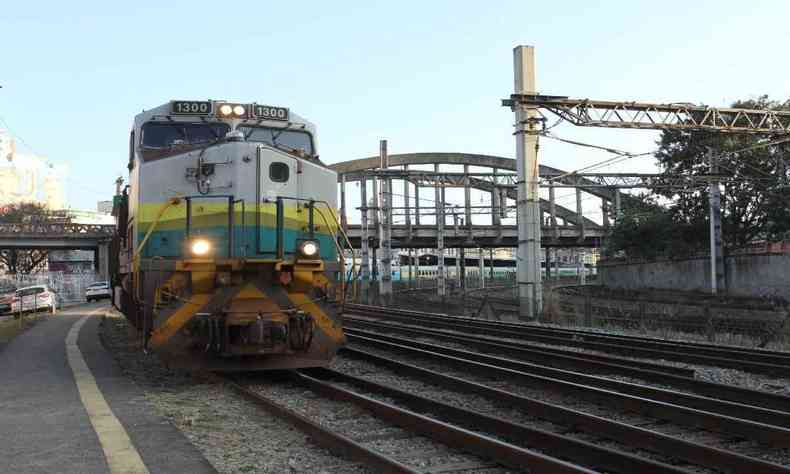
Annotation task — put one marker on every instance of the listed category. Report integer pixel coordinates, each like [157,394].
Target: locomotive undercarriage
[239,314]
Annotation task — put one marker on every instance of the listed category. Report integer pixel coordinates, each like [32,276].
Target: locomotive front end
[229,257]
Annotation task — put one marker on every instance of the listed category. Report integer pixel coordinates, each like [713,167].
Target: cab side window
[279,172]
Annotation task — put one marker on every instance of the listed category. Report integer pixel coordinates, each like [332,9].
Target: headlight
[238,110]
[308,248]
[200,247]
[225,109]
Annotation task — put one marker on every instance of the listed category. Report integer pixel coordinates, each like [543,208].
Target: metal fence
[69,287]
[671,315]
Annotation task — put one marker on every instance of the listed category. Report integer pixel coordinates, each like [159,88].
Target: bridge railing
[50,229]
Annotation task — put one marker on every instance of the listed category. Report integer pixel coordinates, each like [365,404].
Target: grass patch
[11,328]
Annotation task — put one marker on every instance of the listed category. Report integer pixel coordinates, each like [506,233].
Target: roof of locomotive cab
[164,111]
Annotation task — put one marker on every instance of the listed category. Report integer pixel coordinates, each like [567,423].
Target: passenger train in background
[226,254]
[504,268]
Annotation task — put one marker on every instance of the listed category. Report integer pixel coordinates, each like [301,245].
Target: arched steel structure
[582,232]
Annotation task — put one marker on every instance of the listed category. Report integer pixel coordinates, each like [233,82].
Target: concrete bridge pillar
[103,260]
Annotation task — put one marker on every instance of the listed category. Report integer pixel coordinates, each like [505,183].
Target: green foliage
[754,197]
[23,260]
[647,230]
[24,212]
[753,205]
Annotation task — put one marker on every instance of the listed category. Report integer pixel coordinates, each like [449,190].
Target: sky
[426,76]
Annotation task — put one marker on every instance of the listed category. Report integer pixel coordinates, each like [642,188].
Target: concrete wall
[765,275]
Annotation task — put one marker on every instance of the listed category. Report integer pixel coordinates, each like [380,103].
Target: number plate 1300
[269,112]
[191,107]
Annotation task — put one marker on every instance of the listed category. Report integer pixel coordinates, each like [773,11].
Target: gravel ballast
[233,434]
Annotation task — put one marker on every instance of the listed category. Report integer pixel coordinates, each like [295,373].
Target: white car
[34,298]
[97,291]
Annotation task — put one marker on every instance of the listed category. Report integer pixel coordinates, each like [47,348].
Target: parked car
[5,301]
[34,298]
[97,291]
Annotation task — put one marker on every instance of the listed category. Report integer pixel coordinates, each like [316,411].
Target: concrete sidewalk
[44,425]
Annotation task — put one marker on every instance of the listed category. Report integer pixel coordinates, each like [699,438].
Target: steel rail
[334,442]
[524,352]
[573,450]
[667,405]
[638,437]
[733,360]
[755,355]
[545,355]
[453,436]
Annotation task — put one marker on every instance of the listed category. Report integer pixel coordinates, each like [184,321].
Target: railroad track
[655,374]
[750,360]
[676,428]
[386,437]
[409,398]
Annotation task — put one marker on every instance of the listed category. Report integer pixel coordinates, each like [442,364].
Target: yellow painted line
[120,453]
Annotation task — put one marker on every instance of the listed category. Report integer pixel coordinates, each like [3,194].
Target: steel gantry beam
[583,181]
[675,116]
[614,114]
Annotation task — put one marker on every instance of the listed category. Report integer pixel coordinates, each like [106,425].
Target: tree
[24,260]
[648,230]
[753,206]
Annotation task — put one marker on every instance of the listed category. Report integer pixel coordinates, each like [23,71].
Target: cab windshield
[291,140]
[160,135]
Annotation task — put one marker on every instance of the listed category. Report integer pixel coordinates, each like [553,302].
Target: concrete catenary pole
[481,268]
[365,261]
[376,230]
[343,212]
[411,267]
[491,264]
[385,242]
[495,220]
[417,203]
[407,205]
[555,231]
[530,292]
[439,236]
[468,204]
[580,215]
[717,277]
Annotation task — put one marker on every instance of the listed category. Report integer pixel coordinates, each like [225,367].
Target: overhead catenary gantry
[643,115]
[527,105]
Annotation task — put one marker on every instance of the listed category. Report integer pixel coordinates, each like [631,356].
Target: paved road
[44,425]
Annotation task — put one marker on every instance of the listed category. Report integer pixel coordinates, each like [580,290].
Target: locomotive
[227,255]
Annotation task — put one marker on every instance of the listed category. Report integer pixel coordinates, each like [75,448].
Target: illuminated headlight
[308,248]
[238,110]
[200,247]
[226,109]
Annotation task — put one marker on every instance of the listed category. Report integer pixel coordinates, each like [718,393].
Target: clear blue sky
[426,75]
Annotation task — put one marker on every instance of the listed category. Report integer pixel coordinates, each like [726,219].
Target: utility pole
[385,242]
[481,268]
[439,236]
[343,213]
[376,224]
[365,261]
[530,291]
[717,278]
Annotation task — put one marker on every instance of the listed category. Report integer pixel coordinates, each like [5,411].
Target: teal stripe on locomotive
[171,243]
